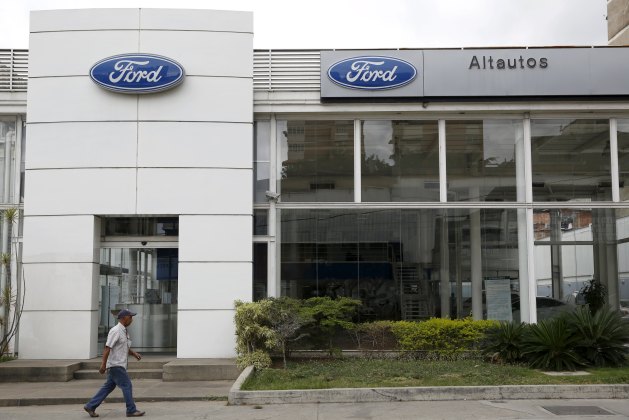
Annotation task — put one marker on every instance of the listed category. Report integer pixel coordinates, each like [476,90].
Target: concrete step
[94,364]
[133,374]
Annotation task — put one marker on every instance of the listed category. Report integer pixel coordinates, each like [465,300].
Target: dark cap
[125,312]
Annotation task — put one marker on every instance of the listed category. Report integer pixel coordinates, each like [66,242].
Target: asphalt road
[516,409]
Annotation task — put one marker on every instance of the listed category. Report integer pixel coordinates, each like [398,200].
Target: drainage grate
[583,410]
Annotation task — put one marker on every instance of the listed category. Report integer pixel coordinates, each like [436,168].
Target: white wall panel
[196,20]
[84,19]
[201,99]
[213,285]
[80,191]
[206,334]
[59,239]
[58,99]
[61,286]
[58,334]
[82,145]
[202,145]
[185,191]
[204,53]
[70,53]
[215,238]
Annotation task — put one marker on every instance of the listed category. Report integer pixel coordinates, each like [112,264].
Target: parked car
[546,307]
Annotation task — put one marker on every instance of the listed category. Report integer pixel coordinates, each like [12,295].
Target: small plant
[550,344]
[374,335]
[11,300]
[595,294]
[505,342]
[601,338]
[286,320]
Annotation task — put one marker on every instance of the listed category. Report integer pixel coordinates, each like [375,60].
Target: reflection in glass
[140,226]
[261,160]
[7,137]
[260,265]
[400,161]
[397,262]
[260,222]
[317,160]
[573,247]
[481,159]
[570,160]
[144,281]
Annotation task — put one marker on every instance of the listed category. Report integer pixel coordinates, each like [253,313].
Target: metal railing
[13,70]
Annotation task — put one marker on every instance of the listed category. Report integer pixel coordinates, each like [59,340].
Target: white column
[476,264]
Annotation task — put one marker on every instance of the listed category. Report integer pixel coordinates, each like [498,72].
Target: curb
[350,395]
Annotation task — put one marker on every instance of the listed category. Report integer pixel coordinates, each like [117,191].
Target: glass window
[261,160]
[400,161]
[570,160]
[260,222]
[317,161]
[7,137]
[397,262]
[260,271]
[140,226]
[480,159]
[623,158]
[572,247]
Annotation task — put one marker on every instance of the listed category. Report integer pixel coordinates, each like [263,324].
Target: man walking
[117,349]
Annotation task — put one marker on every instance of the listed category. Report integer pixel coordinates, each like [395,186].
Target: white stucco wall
[185,152]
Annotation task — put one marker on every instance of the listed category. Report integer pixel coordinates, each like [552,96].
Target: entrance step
[150,367]
[133,374]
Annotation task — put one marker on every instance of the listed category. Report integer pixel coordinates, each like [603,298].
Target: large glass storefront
[452,234]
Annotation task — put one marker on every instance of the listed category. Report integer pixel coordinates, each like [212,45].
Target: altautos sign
[137,73]
[372,72]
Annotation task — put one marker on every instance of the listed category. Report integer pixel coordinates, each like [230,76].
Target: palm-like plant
[550,344]
[602,337]
[505,341]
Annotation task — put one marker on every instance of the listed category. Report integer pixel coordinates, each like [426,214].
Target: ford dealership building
[164,165]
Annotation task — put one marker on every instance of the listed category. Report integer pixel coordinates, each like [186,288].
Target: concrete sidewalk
[80,391]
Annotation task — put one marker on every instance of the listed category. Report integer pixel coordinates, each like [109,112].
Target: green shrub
[258,358]
[328,316]
[601,337]
[441,336]
[374,335]
[252,327]
[550,344]
[504,342]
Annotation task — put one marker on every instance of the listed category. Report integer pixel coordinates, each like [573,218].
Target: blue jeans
[115,376]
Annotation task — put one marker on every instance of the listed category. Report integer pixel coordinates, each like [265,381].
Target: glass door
[144,280]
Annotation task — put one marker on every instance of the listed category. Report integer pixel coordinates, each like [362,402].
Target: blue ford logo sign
[372,73]
[137,73]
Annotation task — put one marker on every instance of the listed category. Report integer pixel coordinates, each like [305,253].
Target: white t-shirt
[119,343]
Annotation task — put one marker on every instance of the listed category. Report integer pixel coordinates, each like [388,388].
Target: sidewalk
[80,391]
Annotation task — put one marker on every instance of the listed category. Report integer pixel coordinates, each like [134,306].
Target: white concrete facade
[185,152]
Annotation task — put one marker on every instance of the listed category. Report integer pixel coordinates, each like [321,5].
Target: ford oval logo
[372,73]
[137,73]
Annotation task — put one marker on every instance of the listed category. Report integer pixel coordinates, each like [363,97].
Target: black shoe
[136,414]
[91,412]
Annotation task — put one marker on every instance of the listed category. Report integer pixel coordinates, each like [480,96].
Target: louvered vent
[286,70]
[13,70]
